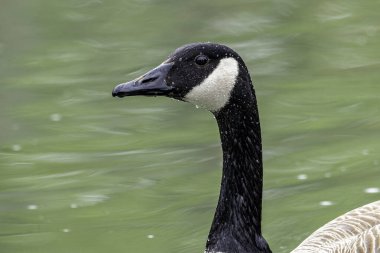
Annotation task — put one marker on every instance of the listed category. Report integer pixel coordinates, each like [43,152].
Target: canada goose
[215,77]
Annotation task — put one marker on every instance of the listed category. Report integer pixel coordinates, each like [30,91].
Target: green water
[81,171]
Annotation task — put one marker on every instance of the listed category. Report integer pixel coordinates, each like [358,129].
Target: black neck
[237,222]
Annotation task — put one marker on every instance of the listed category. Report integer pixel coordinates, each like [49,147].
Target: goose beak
[151,84]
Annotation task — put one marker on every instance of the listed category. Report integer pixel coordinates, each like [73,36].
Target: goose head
[204,74]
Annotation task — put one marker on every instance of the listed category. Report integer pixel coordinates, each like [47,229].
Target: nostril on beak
[149,79]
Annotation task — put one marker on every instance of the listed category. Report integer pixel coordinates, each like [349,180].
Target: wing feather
[357,231]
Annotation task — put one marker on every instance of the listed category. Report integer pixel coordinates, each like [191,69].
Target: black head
[204,74]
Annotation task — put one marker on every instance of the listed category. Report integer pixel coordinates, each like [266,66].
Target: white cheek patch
[215,91]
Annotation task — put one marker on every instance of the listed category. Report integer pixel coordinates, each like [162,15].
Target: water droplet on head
[66,230]
[197,106]
[150,236]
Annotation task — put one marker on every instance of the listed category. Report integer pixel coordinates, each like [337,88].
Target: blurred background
[81,171]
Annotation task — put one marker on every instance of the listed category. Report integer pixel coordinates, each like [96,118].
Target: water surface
[81,171]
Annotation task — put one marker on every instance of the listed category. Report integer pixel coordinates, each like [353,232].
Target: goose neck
[237,222]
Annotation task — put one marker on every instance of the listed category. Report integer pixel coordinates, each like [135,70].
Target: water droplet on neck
[197,106]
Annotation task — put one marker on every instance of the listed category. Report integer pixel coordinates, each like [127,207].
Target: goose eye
[201,60]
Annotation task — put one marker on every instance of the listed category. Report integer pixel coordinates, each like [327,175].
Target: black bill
[151,84]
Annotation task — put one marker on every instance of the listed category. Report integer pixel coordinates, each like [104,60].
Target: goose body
[357,231]
[214,77]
